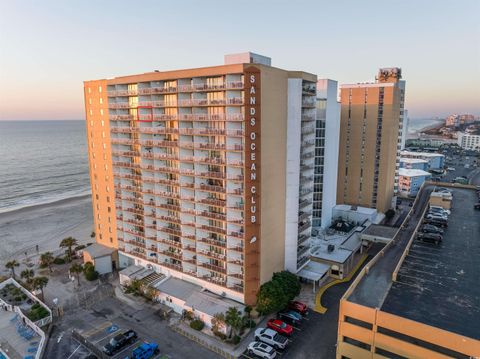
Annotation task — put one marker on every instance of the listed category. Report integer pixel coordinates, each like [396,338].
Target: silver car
[262,350]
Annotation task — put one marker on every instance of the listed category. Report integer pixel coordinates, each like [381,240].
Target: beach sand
[44,225]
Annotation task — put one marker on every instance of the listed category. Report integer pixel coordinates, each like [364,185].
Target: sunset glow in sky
[48,48]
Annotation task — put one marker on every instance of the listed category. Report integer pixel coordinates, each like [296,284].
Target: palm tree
[46,260]
[11,265]
[27,274]
[76,269]
[68,243]
[233,317]
[40,283]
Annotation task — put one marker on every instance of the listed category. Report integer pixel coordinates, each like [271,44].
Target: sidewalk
[226,350]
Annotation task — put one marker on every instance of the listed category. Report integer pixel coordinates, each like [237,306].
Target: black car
[477,206]
[430,237]
[119,341]
[430,228]
[436,222]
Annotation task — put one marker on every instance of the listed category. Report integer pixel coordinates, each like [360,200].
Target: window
[103,123]
[100,89]
[101,112]
[101,101]
[109,209]
[89,90]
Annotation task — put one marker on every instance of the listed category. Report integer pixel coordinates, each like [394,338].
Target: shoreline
[53,203]
[44,225]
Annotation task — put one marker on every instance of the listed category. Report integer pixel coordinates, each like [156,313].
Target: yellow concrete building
[370,139]
[196,173]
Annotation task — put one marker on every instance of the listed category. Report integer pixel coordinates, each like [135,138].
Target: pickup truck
[271,337]
[119,341]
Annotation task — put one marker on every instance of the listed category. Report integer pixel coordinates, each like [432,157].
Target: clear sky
[47,48]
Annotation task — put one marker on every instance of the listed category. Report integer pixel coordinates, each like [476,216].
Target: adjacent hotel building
[327,134]
[205,174]
[370,140]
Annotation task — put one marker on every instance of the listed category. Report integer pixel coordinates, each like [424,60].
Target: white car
[271,337]
[262,350]
[440,209]
[436,217]
[451,169]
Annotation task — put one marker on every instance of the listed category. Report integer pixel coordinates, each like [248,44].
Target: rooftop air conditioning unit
[331,247]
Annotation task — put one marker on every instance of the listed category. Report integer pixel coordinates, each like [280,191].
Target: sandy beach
[44,225]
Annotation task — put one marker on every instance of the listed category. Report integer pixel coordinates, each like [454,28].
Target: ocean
[42,162]
[415,125]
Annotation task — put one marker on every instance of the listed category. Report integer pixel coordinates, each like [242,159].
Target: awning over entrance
[314,271]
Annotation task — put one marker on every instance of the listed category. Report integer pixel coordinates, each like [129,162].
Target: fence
[35,326]
[204,343]
[90,346]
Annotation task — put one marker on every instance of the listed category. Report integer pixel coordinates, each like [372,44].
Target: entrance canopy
[314,271]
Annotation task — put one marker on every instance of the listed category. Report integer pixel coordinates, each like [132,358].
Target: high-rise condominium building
[370,140]
[327,131]
[205,174]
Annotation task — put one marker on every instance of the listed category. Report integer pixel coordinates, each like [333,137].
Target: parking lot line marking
[127,348]
[74,351]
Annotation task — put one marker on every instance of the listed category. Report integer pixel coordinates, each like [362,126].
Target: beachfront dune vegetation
[68,243]
[89,271]
[12,265]
[46,260]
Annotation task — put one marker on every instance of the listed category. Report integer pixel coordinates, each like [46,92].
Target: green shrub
[91,275]
[37,312]
[18,299]
[80,247]
[275,294]
[59,261]
[197,324]
[219,335]
[236,339]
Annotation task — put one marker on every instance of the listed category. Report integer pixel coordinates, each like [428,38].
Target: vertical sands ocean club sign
[252,182]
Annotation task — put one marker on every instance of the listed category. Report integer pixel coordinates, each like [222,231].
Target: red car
[299,307]
[280,327]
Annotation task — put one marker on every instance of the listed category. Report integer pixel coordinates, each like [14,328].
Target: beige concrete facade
[371,121]
[100,160]
[198,157]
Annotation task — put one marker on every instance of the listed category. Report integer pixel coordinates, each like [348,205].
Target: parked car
[436,216]
[119,341]
[429,228]
[262,350]
[145,351]
[271,337]
[298,307]
[440,209]
[442,190]
[280,326]
[477,206]
[430,237]
[437,223]
[290,316]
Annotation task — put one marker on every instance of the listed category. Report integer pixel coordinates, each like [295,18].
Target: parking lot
[95,325]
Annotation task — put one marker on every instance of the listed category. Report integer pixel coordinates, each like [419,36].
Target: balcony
[217,117]
[206,187]
[213,242]
[212,254]
[303,227]
[213,268]
[236,234]
[170,242]
[177,267]
[212,215]
[213,202]
[237,288]
[156,90]
[212,229]
[236,249]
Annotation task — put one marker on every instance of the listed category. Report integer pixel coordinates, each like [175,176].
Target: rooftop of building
[435,285]
[97,250]
[233,63]
[378,230]
[412,160]
[423,154]
[196,297]
[412,172]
